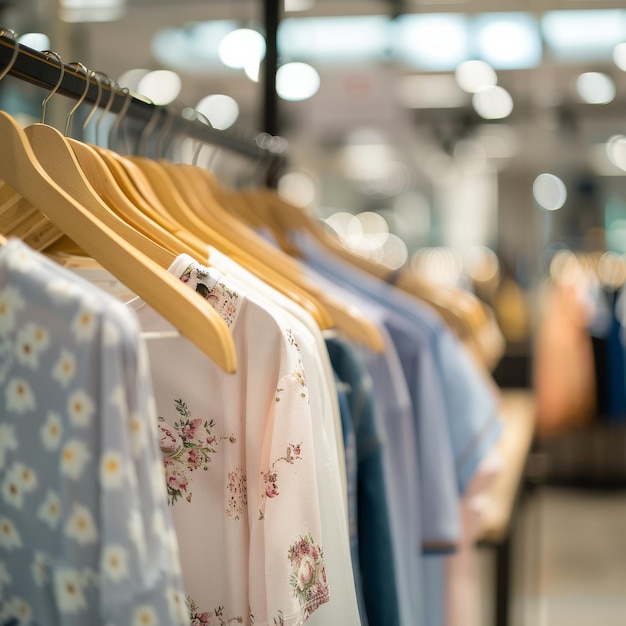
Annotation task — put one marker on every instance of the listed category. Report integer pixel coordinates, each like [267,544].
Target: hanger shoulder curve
[54,154]
[194,317]
[102,180]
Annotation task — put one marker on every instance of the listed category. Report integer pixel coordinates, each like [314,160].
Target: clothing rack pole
[38,69]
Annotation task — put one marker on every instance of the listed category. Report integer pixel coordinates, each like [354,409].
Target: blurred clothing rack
[38,69]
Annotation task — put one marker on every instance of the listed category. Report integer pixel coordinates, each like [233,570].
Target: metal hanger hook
[45,101]
[205,120]
[164,135]
[96,104]
[113,87]
[121,115]
[13,35]
[70,115]
[142,144]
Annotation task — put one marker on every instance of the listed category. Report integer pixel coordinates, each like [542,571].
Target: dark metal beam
[38,69]
[271,19]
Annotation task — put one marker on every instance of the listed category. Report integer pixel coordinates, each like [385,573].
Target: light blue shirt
[471,407]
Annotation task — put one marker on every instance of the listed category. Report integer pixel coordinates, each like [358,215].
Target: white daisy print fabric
[85,538]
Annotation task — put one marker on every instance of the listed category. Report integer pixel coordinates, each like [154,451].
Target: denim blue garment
[616,364]
[375,542]
[471,407]
[349,442]
[402,471]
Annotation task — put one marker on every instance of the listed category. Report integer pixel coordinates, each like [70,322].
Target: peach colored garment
[564,378]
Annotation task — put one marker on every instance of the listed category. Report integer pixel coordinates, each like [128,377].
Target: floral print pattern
[238,499]
[187,446]
[224,300]
[298,373]
[67,476]
[270,476]
[308,580]
[216,617]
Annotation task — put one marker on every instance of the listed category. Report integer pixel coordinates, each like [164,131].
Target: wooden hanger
[165,187]
[461,310]
[136,188]
[56,156]
[193,316]
[100,178]
[347,318]
[105,185]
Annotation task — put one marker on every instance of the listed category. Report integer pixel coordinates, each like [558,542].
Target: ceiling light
[473,75]
[36,41]
[241,48]
[334,39]
[616,151]
[583,35]
[492,103]
[91,10]
[132,78]
[595,88]
[221,111]
[619,56]
[161,86]
[298,5]
[297,81]
[508,40]
[549,191]
[431,42]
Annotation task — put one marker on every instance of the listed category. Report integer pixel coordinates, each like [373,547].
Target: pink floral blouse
[239,464]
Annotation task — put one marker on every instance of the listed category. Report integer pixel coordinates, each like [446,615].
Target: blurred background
[482,143]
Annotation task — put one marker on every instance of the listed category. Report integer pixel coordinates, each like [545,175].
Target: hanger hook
[142,144]
[96,104]
[121,115]
[113,87]
[205,120]
[163,134]
[45,101]
[70,115]
[13,35]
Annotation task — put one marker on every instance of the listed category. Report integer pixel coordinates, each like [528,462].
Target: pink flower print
[306,572]
[302,547]
[187,445]
[308,579]
[200,619]
[296,450]
[176,479]
[194,459]
[169,440]
[271,491]
[190,428]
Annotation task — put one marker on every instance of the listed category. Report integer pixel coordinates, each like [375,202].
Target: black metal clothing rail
[42,70]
